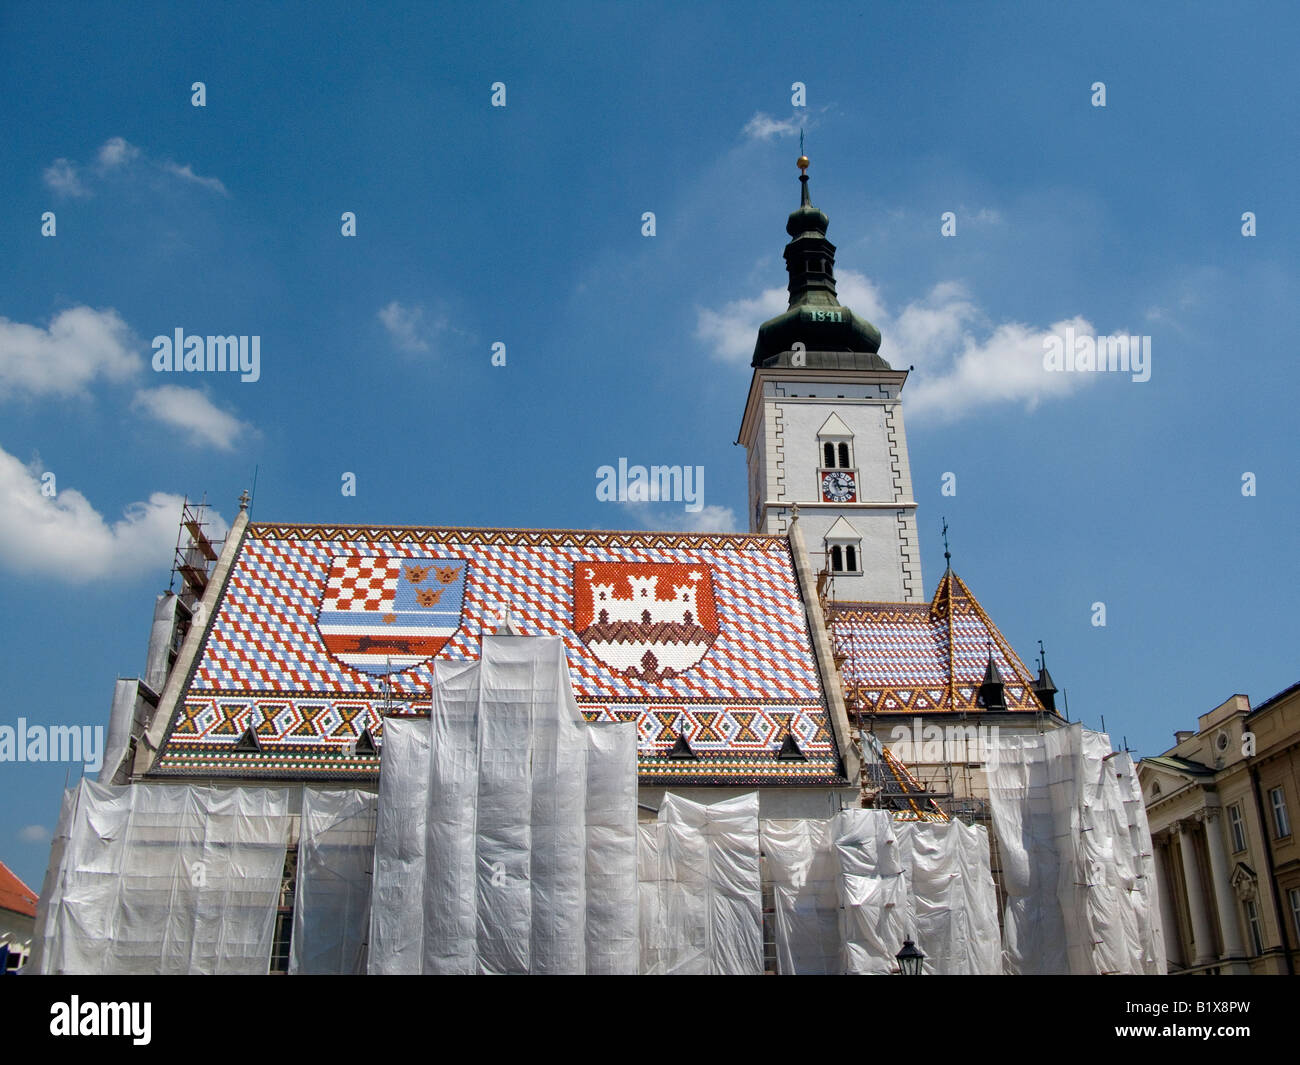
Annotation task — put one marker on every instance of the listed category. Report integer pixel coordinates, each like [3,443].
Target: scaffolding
[195,552]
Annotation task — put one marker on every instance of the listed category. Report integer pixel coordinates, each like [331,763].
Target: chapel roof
[699,634]
[904,658]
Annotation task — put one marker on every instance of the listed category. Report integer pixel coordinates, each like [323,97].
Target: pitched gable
[919,658]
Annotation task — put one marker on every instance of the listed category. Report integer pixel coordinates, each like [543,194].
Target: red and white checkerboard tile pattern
[364,584]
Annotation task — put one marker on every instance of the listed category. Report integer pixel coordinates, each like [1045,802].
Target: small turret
[1044,688]
[991,694]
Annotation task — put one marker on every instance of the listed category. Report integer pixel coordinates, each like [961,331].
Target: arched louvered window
[837,559]
[844,456]
[851,558]
[828,452]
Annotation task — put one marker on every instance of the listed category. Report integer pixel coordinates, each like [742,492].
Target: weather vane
[947,557]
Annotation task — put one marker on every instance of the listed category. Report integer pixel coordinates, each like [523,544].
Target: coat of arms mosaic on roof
[322,632]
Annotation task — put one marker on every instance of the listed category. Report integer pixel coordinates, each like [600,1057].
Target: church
[800,666]
[744,660]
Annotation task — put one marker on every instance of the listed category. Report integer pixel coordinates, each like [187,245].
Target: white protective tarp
[701,888]
[1076,857]
[519,797]
[47,910]
[805,878]
[1024,818]
[612,943]
[1145,899]
[336,849]
[167,879]
[848,891]
[397,894]
[874,914]
[954,909]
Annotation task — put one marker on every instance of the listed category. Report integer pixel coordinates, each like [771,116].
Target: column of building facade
[1203,941]
[1229,929]
[1164,866]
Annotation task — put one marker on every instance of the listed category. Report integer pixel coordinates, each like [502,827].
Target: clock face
[839,486]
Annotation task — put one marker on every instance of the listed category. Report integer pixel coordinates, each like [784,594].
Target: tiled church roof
[921,658]
[700,632]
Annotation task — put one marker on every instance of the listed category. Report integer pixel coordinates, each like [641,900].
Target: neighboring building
[17,918]
[1222,804]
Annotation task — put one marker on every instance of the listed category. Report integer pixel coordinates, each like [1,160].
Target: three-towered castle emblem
[646,620]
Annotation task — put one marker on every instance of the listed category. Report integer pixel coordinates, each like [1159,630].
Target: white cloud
[115,152]
[66,539]
[407,327]
[985,216]
[191,410]
[33,833]
[712,518]
[963,361]
[80,344]
[186,173]
[61,176]
[1006,367]
[64,178]
[764,127]
[730,332]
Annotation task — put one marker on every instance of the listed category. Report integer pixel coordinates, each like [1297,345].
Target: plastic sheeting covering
[336,849]
[613,946]
[47,910]
[1146,902]
[518,797]
[805,881]
[397,895]
[165,879]
[701,888]
[1076,857]
[848,891]
[954,908]
[873,889]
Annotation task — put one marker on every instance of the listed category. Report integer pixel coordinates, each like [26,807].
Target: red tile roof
[14,894]
[320,631]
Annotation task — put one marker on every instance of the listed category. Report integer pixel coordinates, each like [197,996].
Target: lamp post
[909,959]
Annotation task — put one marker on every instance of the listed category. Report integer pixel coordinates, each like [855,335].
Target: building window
[1293,896]
[828,453]
[1252,921]
[1281,822]
[844,456]
[284,913]
[844,558]
[1237,826]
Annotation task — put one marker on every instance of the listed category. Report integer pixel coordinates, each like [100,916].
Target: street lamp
[909,959]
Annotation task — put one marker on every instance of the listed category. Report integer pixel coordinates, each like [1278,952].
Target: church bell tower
[823,428]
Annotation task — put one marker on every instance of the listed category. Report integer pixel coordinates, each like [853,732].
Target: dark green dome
[833,337]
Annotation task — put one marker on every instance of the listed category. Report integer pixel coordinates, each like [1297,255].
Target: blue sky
[522,225]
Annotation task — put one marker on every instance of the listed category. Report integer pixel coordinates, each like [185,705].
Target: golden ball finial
[802,164]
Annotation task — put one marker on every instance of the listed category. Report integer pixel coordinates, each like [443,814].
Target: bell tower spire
[815,318]
[823,427]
